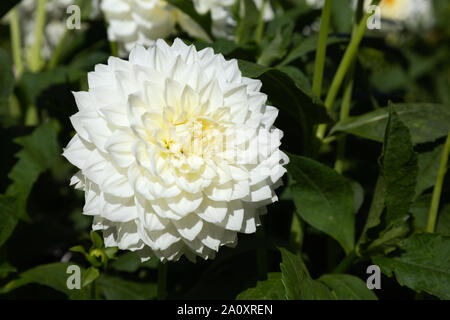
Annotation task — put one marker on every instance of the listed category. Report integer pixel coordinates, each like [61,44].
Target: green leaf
[97,240]
[223,46]
[399,167]
[8,217]
[270,289]
[6,269]
[309,45]
[300,79]
[187,7]
[390,79]
[111,252]
[131,262]
[286,94]
[347,287]
[51,275]
[395,188]
[87,61]
[389,238]
[276,47]
[423,265]
[128,262]
[297,281]
[375,212]
[248,23]
[33,84]
[342,16]
[86,8]
[89,276]
[39,152]
[79,249]
[324,199]
[428,169]
[426,122]
[119,289]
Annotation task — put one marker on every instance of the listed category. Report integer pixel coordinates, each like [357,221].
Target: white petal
[77,151]
[120,147]
[117,209]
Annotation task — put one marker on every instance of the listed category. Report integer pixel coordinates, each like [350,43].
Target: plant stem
[345,111]
[14,107]
[260,28]
[56,55]
[432,218]
[162,281]
[346,263]
[321,49]
[113,48]
[15,42]
[31,116]
[346,100]
[346,62]
[35,62]
[359,11]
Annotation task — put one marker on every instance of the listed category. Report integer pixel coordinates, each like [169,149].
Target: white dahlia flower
[177,151]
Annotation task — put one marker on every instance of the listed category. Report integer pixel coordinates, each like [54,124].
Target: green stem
[346,263]
[260,28]
[346,62]
[162,281]
[31,116]
[56,55]
[321,49]
[14,107]
[345,111]
[432,218]
[359,11]
[113,48]
[35,61]
[15,42]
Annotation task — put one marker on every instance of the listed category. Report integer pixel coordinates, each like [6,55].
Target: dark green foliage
[330,221]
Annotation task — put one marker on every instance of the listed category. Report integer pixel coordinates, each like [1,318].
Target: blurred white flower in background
[413,14]
[316,4]
[222,17]
[177,151]
[55,22]
[220,14]
[143,21]
[138,21]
